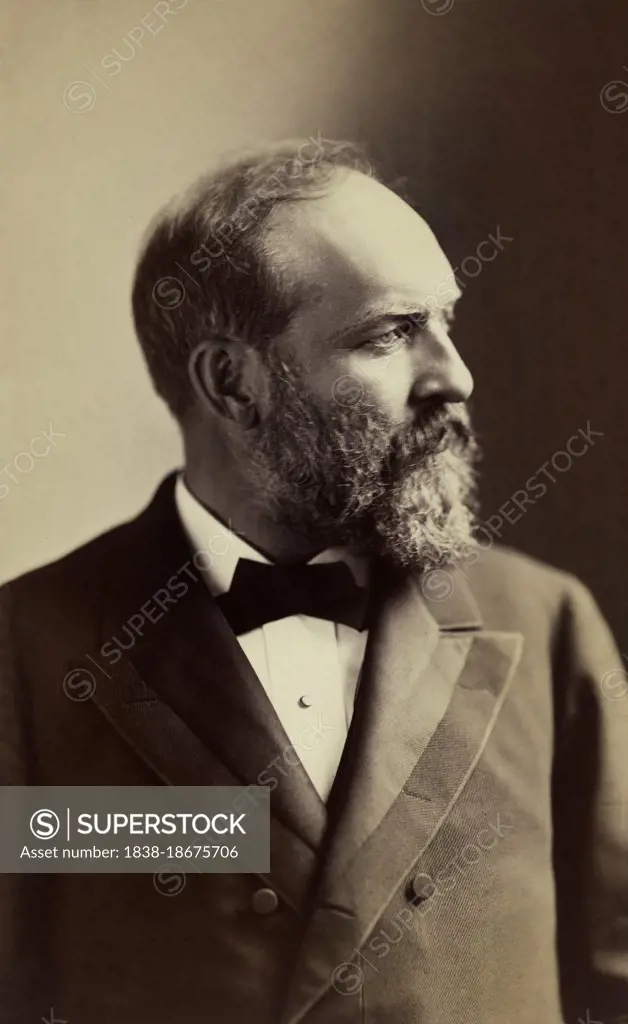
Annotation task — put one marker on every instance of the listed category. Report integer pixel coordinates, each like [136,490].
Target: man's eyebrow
[395,311]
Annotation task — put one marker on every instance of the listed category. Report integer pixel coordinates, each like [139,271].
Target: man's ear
[222,378]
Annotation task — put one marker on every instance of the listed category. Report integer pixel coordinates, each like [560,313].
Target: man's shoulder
[499,563]
[81,572]
[75,576]
[80,559]
[508,583]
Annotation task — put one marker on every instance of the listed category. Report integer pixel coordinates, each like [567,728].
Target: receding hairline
[243,290]
[236,165]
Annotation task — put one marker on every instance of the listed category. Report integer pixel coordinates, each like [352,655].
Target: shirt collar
[222,548]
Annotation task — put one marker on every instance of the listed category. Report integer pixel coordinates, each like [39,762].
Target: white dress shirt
[309,667]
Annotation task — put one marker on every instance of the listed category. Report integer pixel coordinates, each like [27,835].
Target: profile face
[373,262]
[364,437]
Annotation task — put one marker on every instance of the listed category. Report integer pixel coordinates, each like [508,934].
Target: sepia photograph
[314,510]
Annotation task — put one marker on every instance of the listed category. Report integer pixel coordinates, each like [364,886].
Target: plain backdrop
[499,112]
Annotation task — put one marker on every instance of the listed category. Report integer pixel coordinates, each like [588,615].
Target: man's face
[365,440]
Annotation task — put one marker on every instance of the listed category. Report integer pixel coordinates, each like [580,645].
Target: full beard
[337,473]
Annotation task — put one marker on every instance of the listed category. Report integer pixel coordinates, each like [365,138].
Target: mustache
[437,427]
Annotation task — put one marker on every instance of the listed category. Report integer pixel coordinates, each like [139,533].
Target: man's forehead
[356,245]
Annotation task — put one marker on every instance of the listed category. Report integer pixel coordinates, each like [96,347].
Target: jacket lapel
[186,699]
[432,687]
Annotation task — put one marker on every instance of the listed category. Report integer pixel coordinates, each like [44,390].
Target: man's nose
[440,371]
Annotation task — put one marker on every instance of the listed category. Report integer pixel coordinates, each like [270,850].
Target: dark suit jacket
[472,862]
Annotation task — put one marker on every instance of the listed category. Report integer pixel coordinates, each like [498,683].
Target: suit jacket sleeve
[591,813]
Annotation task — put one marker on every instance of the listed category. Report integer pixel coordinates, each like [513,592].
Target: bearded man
[304,607]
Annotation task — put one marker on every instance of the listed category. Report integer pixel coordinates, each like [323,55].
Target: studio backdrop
[509,120]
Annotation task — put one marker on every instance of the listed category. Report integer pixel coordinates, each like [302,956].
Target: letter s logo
[44,824]
[614,97]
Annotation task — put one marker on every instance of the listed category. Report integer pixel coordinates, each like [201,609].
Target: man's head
[294,313]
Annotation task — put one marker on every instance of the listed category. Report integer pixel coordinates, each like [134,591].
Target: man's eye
[405,330]
[395,334]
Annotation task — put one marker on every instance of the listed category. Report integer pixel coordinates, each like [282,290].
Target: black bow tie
[262,593]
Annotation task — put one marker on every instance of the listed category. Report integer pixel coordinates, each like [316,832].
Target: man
[304,608]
